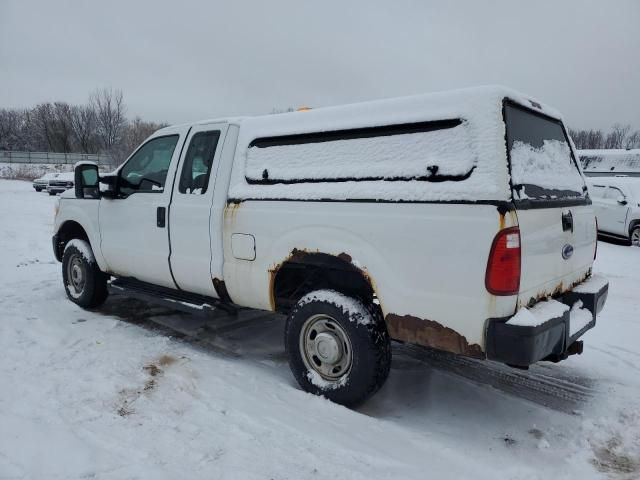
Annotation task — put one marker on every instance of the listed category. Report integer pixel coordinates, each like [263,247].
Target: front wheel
[84,282]
[635,236]
[51,193]
[337,347]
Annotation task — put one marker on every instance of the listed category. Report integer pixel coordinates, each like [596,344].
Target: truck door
[190,222]
[133,226]
[617,211]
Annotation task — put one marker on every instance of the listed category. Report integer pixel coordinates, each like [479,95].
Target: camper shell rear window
[542,165]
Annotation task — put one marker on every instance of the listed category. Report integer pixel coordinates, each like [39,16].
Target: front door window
[146,170]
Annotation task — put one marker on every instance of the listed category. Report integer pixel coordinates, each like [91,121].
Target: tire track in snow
[252,338]
[547,385]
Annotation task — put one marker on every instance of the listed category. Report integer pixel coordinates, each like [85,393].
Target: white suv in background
[617,206]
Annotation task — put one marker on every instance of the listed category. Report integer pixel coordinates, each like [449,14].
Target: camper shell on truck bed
[457,220]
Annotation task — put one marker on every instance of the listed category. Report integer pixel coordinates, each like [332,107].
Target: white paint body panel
[426,260]
[86,213]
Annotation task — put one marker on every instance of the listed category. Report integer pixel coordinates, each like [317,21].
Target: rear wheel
[84,282]
[635,236]
[337,347]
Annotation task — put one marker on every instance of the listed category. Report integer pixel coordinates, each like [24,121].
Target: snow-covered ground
[111,395]
[30,171]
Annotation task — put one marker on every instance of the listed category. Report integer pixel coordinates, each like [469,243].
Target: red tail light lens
[503,267]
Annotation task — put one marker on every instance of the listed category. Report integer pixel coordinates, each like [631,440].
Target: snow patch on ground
[30,171]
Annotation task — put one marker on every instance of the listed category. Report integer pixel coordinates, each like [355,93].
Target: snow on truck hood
[470,154]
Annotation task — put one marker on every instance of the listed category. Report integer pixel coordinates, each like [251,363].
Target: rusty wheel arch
[304,271]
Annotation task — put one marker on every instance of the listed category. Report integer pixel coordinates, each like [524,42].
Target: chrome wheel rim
[635,237]
[76,275]
[325,347]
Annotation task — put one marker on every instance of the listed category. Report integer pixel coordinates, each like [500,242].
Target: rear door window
[542,164]
[196,170]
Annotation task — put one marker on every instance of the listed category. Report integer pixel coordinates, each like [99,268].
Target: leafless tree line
[99,126]
[620,136]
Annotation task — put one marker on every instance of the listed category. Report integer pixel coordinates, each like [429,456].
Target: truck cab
[458,221]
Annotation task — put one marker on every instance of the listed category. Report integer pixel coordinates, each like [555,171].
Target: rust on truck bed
[428,333]
[552,292]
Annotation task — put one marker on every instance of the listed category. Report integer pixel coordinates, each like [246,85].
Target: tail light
[503,267]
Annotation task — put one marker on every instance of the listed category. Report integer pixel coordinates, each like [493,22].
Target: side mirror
[621,200]
[86,180]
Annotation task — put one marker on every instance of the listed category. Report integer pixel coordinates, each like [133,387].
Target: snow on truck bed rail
[361,168]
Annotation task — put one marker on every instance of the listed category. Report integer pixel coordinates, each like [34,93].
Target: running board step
[169,298]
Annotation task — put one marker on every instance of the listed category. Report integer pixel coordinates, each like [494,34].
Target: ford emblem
[567,251]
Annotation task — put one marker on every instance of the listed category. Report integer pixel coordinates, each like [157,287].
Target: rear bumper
[524,345]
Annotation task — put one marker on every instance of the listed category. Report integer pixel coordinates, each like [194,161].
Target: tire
[51,193]
[338,347]
[38,189]
[84,282]
[634,237]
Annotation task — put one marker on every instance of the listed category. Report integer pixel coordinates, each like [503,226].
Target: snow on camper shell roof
[468,160]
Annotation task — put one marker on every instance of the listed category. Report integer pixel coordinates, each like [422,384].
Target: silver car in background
[62,182]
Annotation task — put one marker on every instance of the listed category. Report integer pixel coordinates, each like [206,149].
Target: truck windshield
[542,165]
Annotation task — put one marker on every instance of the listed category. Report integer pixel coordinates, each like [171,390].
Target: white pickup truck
[459,221]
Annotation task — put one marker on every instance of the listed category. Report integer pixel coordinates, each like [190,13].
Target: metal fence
[52,158]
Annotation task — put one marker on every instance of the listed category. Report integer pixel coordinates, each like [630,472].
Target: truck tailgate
[557,247]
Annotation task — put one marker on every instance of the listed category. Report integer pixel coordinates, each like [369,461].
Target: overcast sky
[184,60]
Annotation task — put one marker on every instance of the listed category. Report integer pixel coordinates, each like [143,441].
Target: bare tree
[633,140]
[62,130]
[43,124]
[135,133]
[110,113]
[615,139]
[84,124]
[9,129]
[595,139]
